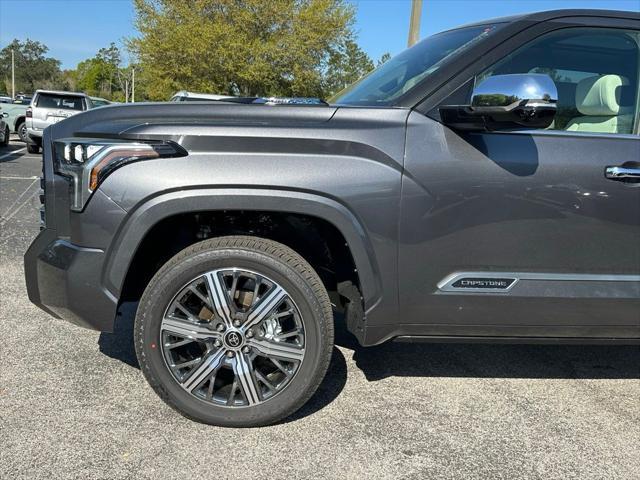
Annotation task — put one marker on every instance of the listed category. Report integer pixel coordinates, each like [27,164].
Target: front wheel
[235,331]
[33,148]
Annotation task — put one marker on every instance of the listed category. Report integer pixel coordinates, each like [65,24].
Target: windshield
[404,71]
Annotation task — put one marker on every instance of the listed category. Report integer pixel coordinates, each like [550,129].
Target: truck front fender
[152,211]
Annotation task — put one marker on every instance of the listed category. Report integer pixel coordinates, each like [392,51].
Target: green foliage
[33,69]
[102,75]
[346,65]
[249,47]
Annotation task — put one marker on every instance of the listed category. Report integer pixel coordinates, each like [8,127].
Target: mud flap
[354,312]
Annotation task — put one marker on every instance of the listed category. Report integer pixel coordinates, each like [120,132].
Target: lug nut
[230,354]
[249,333]
[220,327]
[217,343]
[246,349]
[236,323]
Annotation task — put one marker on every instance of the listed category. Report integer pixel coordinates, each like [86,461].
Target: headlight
[87,162]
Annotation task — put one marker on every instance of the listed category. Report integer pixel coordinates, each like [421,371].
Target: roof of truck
[553,14]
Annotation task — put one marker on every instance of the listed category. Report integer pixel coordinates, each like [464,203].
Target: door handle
[622,172]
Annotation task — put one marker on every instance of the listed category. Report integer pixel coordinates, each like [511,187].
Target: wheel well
[316,240]
[19,121]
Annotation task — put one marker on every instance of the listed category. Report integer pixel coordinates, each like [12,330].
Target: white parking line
[13,153]
[11,211]
[17,178]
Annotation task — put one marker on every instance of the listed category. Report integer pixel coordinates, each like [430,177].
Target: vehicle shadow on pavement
[12,153]
[499,361]
[119,346]
[331,386]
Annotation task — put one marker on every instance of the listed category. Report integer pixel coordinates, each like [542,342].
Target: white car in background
[49,107]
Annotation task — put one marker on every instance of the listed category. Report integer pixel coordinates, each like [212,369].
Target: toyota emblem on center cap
[234,339]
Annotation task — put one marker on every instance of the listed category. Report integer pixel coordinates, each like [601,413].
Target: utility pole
[126,91]
[13,76]
[133,84]
[414,24]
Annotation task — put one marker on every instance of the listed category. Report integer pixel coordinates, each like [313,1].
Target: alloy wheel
[233,338]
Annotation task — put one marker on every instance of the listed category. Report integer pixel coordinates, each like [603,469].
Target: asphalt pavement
[73,403]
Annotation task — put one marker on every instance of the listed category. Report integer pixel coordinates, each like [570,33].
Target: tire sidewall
[168,282]
[22,132]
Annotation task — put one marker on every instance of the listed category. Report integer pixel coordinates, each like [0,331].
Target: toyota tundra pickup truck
[483,185]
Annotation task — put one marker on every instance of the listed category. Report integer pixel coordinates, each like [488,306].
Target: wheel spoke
[243,369]
[177,344]
[285,351]
[204,299]
[281,367]
[266,305]
[218,294]
[234,285]
[278,316]
[265,382]
[283,336]
[190,316]
[211,385]
[184,328]
[187,363]
[232,392]
[208,366]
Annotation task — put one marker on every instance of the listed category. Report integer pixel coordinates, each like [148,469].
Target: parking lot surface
[73,403]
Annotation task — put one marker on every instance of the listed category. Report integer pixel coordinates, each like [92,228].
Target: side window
[595,71]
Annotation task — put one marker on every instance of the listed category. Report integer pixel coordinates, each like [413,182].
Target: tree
[100,75]
[252,48]
[33,69]
[347,64]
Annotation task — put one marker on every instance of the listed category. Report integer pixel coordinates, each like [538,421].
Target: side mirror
[505,102]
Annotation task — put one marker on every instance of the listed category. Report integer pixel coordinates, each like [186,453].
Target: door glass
[595,71]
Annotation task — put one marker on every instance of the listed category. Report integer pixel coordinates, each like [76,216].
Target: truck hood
[151,119]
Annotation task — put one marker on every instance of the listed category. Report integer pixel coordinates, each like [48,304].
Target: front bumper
[64,280]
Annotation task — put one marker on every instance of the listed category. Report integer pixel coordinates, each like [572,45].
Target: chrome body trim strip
[446,284]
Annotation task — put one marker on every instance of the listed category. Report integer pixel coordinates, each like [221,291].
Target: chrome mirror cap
[510,91]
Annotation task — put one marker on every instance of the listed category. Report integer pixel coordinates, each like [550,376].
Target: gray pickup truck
[483,185]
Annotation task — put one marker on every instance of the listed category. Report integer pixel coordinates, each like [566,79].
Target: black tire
[21,129]
[262,256]
[7,133]
[33,148]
